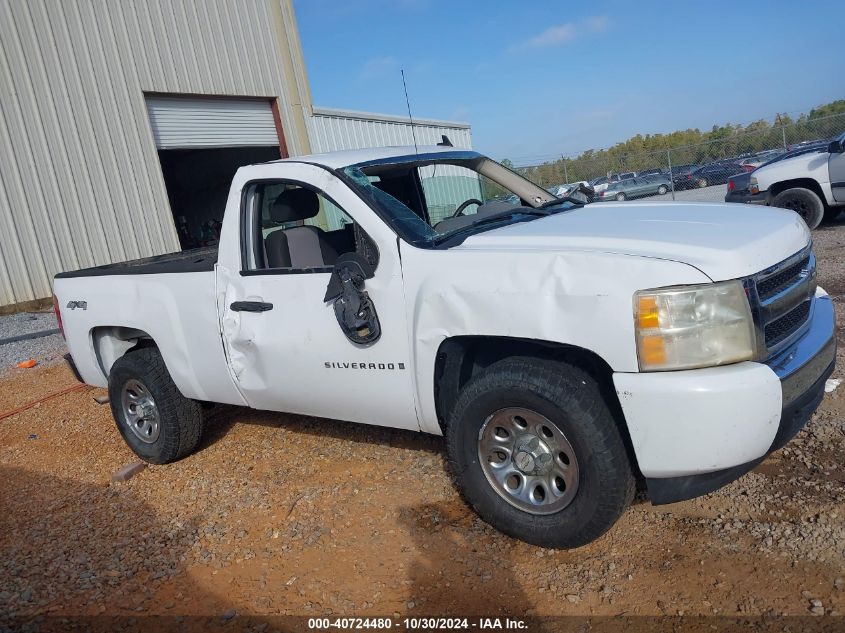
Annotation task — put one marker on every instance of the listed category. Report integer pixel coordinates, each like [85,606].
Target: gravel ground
[45,349]
[283,514]
[714,193]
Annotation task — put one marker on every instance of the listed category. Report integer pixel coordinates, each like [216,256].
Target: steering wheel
[460,210]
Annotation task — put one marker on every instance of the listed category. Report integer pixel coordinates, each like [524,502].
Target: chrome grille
[781,299]
[770,286]
[782,327]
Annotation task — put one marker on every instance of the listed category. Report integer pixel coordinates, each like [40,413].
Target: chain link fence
[693,171]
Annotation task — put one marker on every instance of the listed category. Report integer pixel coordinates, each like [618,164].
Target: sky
[537,80]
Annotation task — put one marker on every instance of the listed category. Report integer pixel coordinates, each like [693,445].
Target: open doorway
[198,182]
[201,142]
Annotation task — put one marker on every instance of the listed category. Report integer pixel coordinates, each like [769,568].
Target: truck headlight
[693,326]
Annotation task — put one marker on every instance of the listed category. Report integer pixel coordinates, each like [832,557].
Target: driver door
[285,347]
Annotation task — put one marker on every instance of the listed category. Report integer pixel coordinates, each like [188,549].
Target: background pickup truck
[565,350]
[812,184]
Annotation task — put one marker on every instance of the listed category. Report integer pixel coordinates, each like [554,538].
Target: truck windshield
[428,200]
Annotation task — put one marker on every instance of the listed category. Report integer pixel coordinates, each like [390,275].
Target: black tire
[831,213]
[702,183]
[620,196]
[662,189]
[180,419]
[804,202]
[572,400]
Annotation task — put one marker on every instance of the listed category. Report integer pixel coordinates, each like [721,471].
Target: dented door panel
[295,357]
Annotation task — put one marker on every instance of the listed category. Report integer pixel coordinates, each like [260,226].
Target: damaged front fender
[578,298]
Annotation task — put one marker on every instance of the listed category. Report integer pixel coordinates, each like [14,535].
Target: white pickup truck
[811,183]
[565,350]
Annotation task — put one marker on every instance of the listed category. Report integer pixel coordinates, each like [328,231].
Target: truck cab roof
[345,158]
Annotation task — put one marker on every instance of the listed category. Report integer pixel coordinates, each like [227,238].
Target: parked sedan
[602,182]
[713,174]
[751,163]
[680,175]
[635,188]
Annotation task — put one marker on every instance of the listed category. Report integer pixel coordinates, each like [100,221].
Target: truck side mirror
[835,147]
[353,307]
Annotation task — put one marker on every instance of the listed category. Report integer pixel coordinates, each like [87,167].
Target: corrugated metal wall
[332,130]
[80,181]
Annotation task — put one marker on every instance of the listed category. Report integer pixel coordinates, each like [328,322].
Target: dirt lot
[280,514]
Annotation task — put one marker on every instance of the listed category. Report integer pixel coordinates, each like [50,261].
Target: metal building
[111,113]
[331,129]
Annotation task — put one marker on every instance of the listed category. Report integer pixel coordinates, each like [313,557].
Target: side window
[292,227]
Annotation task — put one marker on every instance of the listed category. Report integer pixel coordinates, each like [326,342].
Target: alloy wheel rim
[140,411]
[528,460]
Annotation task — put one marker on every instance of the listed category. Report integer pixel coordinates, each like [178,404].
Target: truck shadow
[832,225]
[221,418]
[454,574]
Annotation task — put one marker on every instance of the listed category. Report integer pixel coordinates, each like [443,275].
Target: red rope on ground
[3,416]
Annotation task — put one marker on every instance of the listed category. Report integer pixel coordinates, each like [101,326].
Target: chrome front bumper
[803,367]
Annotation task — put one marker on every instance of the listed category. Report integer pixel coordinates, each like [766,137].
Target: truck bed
[191,261]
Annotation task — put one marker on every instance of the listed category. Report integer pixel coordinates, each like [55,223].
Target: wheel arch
[111,342]
[460,358]
[798,183]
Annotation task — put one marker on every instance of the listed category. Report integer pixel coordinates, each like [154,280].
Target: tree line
[691,146]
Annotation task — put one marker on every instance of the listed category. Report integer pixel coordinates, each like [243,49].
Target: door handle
[250,306]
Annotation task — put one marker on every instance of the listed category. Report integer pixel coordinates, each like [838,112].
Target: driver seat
[300,246]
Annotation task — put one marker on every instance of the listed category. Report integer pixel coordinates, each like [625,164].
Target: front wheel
[804,202]
[158,423]
[535,450]
[662,189]
[831,213]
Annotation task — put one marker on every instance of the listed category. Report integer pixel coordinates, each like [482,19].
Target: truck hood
[724,241]
[811,165]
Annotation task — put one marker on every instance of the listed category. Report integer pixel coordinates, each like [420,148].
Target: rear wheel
[804,202]
[158,423]
[536,452]
[620,196]
[702,183]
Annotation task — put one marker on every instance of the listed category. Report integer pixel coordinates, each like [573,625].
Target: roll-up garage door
[186,122]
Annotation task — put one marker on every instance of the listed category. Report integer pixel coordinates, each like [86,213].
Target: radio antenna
[410,117]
